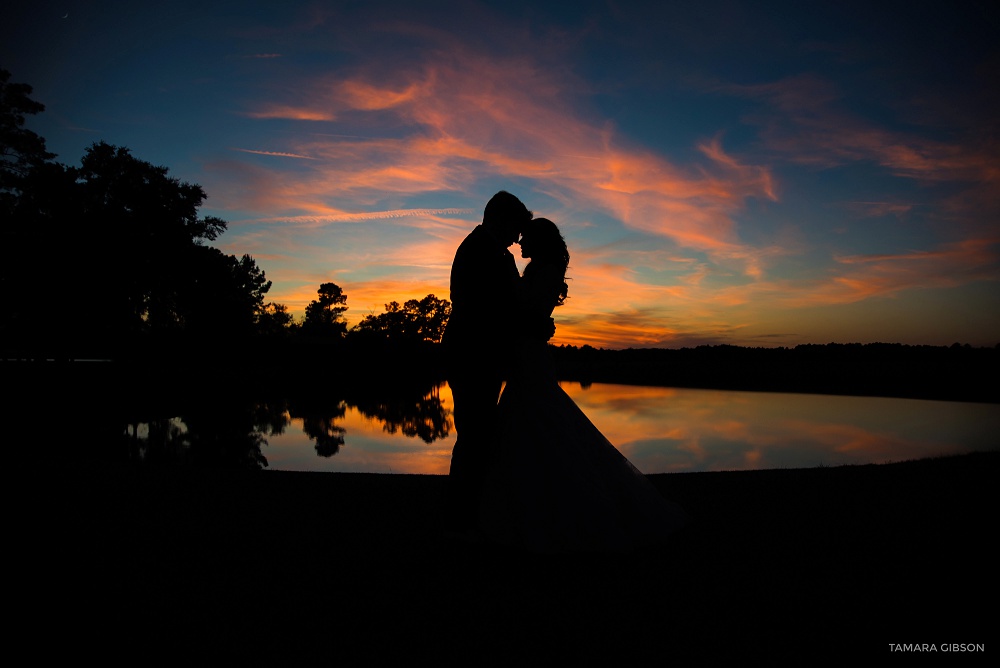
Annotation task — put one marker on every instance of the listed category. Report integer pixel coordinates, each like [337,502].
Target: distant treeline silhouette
[957,372]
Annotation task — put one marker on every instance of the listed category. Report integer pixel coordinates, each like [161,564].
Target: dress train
[556,484]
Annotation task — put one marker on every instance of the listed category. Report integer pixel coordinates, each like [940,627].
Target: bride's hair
[548,250]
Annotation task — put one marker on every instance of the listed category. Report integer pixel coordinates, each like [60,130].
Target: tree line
[957,372]
[113,254]
[415,321]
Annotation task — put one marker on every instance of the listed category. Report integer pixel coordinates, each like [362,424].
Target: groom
[478,340]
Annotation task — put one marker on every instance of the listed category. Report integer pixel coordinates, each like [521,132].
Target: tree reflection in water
[423,416]
[232,433]
[319,415]
[223,435]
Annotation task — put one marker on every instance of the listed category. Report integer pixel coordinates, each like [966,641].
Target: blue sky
[732,172]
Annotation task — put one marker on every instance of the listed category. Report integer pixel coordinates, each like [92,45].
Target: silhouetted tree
[274,319]
[22,155]
[144,240]
[325,315]
[416,320]
[21,150]
[145,253]
[114,249]
[221,294]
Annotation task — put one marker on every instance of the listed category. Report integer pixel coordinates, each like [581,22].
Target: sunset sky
[750,173]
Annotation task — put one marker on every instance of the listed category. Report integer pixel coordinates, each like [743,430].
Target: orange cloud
[364,96]
[472,116]
[949,265]
[293,113]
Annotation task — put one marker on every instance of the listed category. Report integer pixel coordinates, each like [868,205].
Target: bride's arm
[539,294]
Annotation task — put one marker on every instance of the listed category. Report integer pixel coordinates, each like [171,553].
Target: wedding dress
[556,484]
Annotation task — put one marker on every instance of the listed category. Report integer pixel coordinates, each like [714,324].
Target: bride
[556,483]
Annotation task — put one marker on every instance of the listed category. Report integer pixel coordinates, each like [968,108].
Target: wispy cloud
[879,209]
[288,112]
[277,154]
[813,125]
[258,56]
[366,215]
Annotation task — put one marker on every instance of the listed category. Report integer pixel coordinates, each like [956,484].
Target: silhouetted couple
[528,468]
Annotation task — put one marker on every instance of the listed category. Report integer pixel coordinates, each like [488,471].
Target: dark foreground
[142,567]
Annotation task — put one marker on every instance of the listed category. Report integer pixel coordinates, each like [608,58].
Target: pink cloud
[344,217]
[469,117]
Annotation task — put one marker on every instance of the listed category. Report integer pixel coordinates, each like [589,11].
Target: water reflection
[659,429]
[424,417]
[398,435]
[232,434]
[318,419]
[664,430]
[226,434]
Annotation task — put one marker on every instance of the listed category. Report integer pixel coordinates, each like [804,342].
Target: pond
[659,429]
